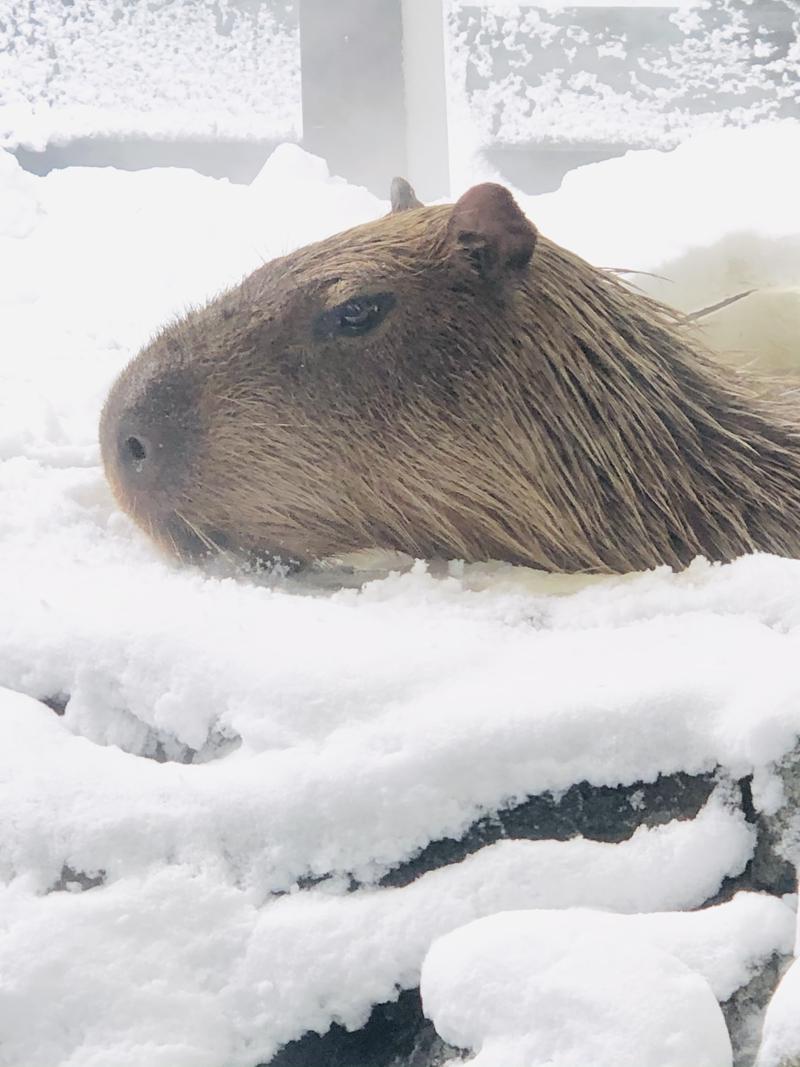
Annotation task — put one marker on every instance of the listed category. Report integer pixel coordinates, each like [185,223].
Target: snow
[536,988]
[295,809]
[728,182]
[513,6]
[234,750]
[210,70]
[549,74]
[781,1036]
[197,861]
[19,207]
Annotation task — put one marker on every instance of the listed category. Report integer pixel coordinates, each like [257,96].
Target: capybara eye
[355,318]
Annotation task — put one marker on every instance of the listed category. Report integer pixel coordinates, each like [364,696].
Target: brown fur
[527,409]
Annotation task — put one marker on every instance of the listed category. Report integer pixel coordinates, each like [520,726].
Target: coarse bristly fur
[445,382]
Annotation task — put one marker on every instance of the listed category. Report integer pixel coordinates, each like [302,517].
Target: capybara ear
[488,229]
[403,196]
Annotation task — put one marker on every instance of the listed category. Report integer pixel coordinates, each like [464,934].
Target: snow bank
[232,751]
[19,207]
[727,182]
[293,810]
[545,989]
[198,933]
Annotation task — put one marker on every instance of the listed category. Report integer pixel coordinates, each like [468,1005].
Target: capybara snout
[149,434]
[443,381]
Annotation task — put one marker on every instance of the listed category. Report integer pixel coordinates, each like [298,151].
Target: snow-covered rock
[558,989]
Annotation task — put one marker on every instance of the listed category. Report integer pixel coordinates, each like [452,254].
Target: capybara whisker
[194,529]
[205,539]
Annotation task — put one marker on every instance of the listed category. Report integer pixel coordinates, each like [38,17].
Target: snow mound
[781,1042]
[725,182]
[560,989]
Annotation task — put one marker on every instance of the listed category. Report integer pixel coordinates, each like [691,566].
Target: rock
[783,827]
[744,1012]
[397,1034]
[600,813]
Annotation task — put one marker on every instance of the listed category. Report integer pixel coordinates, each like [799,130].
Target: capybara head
[445,382]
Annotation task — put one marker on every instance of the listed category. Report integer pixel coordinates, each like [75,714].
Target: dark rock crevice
[744,1011]
[72,881]
[599,813]
[397,1034]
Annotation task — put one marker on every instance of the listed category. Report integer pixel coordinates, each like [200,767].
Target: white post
[425,98]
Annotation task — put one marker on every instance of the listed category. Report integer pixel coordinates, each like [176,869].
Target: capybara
[446,382]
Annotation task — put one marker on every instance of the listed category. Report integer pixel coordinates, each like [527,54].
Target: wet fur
[549,417]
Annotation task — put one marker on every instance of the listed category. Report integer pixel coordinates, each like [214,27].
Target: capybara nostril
[145,460]
[149,457]
[135,451]
[149,433]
